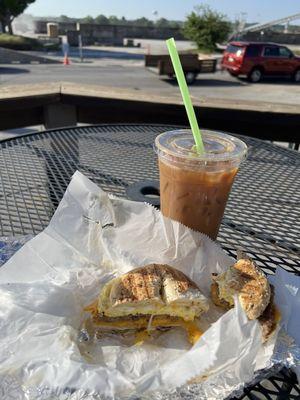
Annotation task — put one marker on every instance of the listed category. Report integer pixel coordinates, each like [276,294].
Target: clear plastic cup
[194,188]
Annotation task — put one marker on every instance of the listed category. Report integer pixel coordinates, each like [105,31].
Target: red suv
[256,60]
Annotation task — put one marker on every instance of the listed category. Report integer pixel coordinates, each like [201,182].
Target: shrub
[206,28]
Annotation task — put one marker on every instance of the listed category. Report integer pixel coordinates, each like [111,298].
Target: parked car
[256,60]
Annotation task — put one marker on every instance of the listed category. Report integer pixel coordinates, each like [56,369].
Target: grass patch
[15,42]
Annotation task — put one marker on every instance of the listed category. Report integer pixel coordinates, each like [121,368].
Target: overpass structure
[260,27]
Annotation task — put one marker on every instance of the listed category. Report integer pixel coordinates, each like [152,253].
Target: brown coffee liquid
[195,198]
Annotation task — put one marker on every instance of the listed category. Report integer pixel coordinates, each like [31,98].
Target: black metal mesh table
[262,216]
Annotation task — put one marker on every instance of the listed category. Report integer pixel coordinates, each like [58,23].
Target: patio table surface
[262,216]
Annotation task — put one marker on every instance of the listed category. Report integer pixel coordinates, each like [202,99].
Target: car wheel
[296,76]
[190,77]
[255,75]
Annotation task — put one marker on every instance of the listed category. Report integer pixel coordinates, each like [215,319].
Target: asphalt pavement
[130,73]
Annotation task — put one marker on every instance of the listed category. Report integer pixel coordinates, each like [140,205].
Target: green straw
[185,95]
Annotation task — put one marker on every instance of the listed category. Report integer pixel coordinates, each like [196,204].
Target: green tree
[9,10]
[87,20]
[114,20]
[123,21]
[65,18]
[162,23]
[142,22]
[175,24]
[206,28]
[102,19]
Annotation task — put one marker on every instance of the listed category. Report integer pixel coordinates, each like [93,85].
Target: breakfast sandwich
[255,294]
[152,297]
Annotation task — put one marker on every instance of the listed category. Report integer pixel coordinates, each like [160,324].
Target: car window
[234,49]
[271,52]
[284,52]
[253,51]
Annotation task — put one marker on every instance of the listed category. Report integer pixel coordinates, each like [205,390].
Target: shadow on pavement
[209,82]
[272,81]
[13,70]
[278,81]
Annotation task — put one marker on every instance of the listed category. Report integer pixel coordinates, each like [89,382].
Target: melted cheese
[191,328]
[277,315]
[141,337]
[92,308]
[193,331]
[142,324]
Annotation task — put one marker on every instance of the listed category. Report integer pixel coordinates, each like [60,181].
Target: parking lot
[130,73]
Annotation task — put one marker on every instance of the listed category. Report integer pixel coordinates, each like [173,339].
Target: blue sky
[257,10]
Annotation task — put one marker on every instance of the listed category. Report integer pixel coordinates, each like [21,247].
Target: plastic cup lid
[179,144]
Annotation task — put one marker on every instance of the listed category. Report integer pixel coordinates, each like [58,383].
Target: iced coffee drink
[194,188]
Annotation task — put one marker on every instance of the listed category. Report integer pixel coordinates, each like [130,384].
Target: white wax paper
[91,238]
